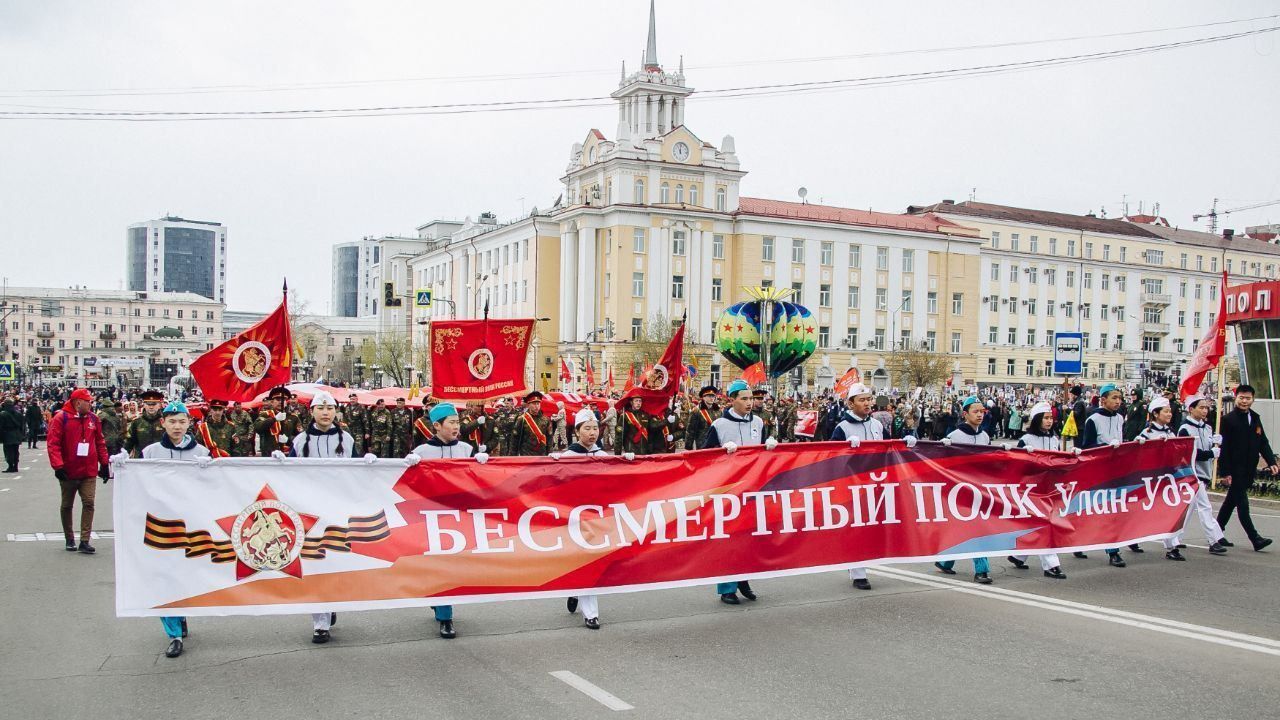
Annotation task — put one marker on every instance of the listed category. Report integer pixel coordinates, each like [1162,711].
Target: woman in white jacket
[1040,437]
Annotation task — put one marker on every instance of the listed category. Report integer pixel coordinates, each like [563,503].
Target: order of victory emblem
[267,536]
[251,361]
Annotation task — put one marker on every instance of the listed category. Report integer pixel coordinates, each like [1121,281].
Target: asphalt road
[1159,639]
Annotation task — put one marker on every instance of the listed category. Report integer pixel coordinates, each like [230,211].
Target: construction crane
[1213,213]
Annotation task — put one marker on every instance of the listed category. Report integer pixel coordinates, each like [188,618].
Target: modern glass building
[173,254]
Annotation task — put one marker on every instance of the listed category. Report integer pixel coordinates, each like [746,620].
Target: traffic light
[608,329]
[389,295]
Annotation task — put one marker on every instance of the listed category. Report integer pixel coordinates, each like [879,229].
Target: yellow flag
[414,390]
[1069,429]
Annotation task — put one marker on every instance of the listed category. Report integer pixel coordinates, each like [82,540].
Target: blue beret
[442,411]
[175,407]
[1107,388]
[737,386]
[965,403]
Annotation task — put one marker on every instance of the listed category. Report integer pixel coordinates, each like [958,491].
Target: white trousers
[1201,508]
[857,573]
[1047,562]
[589,605]
[320,621]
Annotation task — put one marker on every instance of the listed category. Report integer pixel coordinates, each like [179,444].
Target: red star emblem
[727,328]
[267,535]
[808,330]
[739,328]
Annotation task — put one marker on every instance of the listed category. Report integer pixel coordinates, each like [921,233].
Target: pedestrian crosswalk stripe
[56,536]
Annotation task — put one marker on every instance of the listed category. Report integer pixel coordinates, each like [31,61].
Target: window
[1048,342]
[1213,292]
[1084,341]
[1013,273]
[1033,275]
[908,261]
[677,242]
[1103,344]
[1121,283]
[797,250]
[955,343]
[1051,276]
[637,284]
[1197,291]
[1031,368]
[906,302]
[931,341]
[664,193]
[1085,310]
[882,258]
[904,339]
[1053,246]
[993,335]
[991,366]
[1119,344]
[797,292]
[1071,247]
[1182,261]
[828,253]
[680,194]
[1213,264]
[1151,343]
[1031,306]
[1195,319]
[1088,279]
[1179,346]
[995,240]
[824,296]
[854,293]
[766,248]
[1067,309]
[879,339]
[693,195]
[638,240]
[1182,318]
[717,247]
[995,272]
[932,303]
[1231,266]
[1200,263]
[635,328]
[1154,257]
[1031,338]
[1034,242]
[677,287]
[639,198]
[851,338]
[1008,366]
[1104,314]
[717,289]
[720,200]
[1124,254]
[855,256]
[882,299]
[1151,315]
[957,303]
[1014,242]
[1106,252]
[1071,278]
[1049,307]
[1012,336]
[824,336]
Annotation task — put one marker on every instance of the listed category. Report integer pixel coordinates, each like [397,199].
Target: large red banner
[388,535]
[479,359]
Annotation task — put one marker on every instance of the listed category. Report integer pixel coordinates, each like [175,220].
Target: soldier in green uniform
[701,417]
[112,425]
[787,414]
[242,440]
[476,426]
[276,428]
[636,429]
[216,432]
[145,429]
[503,425]
[356,419]
[299,409]
[531,431]
[380,442]
[401,429]
[764,413]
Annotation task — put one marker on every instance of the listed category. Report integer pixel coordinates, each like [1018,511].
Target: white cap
[322,397]
[1156,404]
[1191,401]
[584,416]
[1040,408]
[859,389]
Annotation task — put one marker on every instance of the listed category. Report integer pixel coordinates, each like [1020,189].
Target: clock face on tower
[680,151]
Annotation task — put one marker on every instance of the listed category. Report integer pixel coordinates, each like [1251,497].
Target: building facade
[104,337]
[172,254]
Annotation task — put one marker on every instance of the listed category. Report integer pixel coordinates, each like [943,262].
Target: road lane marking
[600,695]
[1191,631]
[56,536]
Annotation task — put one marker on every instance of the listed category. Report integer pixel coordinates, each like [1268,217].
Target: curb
[1263,502]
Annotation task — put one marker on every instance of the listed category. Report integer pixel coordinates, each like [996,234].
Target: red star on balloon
[269,522]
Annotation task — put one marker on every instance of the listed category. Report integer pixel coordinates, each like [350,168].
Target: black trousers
[1238,501]
[11,457]
[31,437]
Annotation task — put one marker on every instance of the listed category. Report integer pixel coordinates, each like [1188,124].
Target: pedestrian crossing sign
[423,298]
[6,371]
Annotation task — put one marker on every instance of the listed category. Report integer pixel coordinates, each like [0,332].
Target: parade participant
[531,430]
[175,444]
[1039,436]
[1135,416]
[276,428]
[112,425]
[1243,441]
[322,438]
[422,429]
[78,456]
[12,431]
[475,426]
[635,428]
[216,432]
[737,427]
[503,426]
[661,437]
[856,425]
[242,441]
[701,417]
[1105,426]
[969,432]
[1206,449]
[356,419]
[145,429]
[35,418]
[380,443]
[401,428]
[444,444]
[586,431]
[765,414]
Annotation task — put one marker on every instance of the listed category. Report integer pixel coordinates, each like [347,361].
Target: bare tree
[648,346]
[389,353]
[917,366]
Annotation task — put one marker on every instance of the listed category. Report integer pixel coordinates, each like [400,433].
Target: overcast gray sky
[1179,127]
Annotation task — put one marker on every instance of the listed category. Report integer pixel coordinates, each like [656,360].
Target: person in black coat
[12,431]
[35,419]
[1243,441]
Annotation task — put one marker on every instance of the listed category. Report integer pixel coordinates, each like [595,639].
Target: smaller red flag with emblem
[250,363]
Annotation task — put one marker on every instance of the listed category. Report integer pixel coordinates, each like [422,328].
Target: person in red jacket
[78,455]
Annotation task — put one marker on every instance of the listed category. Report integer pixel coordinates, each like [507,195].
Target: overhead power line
[762,90]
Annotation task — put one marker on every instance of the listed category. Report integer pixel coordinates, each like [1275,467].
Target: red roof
[927,222]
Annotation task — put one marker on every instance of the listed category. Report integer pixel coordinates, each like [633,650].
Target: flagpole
[1217,425]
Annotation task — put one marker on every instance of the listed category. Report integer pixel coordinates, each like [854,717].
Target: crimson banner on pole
[479,359]
[250,363]
[259,536]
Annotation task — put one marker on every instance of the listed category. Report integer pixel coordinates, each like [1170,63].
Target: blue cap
[175,407]
[965,403]
[1102,391]
[442,411]
[736,387]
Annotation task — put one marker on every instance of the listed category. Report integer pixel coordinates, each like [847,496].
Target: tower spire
[651,50]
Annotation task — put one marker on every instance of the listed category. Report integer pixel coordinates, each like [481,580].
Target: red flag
[848,380]
[591,375]
[479,359]
[1210,351]
[565,375]
[631,379]
[754,375]
[610,378]
[661,382]
[250,363]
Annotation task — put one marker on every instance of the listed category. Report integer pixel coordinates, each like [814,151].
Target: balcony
[1149,298]
[44,334]
[1154,328]
[107,335]
[44,350]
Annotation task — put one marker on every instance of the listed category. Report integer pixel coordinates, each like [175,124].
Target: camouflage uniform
[356,419]
[476,435]
[380,442]
[242,446]
[787,422]
[267,440]
[221,434]
[142,432]
[112,428]
[500,435]
[401,431]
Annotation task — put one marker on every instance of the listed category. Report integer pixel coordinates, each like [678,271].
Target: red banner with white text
[259,536]
[479,359]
